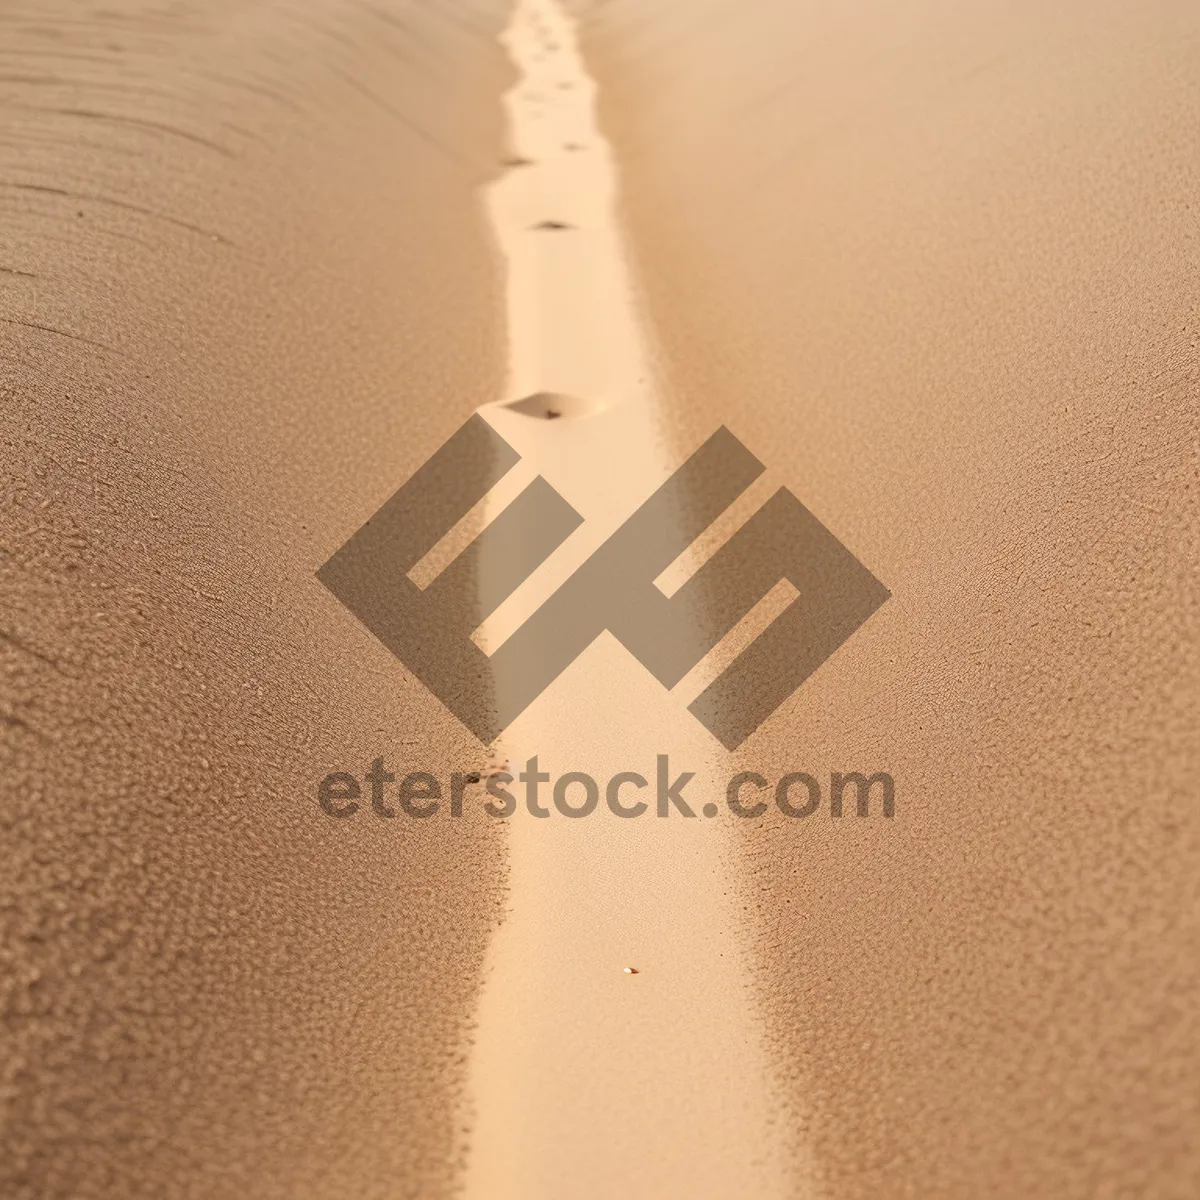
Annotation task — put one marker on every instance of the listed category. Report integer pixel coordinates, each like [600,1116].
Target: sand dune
[938,266]
[246,288]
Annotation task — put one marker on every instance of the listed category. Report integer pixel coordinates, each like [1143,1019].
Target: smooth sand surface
[589,1080]
[246,288]
[938,265]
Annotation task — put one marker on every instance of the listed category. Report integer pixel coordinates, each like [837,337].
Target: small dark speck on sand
[552,225]
[473,777]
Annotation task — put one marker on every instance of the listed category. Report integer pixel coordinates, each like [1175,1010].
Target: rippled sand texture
[246,288]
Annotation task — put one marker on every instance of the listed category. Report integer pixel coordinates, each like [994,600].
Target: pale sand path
[587,1081]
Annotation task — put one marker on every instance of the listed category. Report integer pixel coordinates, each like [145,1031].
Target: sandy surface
[938,266]
[246,287]
[935,266]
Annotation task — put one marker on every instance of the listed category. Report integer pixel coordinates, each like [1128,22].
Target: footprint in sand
[552,406]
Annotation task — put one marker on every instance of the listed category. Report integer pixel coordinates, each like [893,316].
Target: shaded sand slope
[938,266]
[246,287]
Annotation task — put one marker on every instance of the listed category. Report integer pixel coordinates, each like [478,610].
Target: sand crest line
[616,1051]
